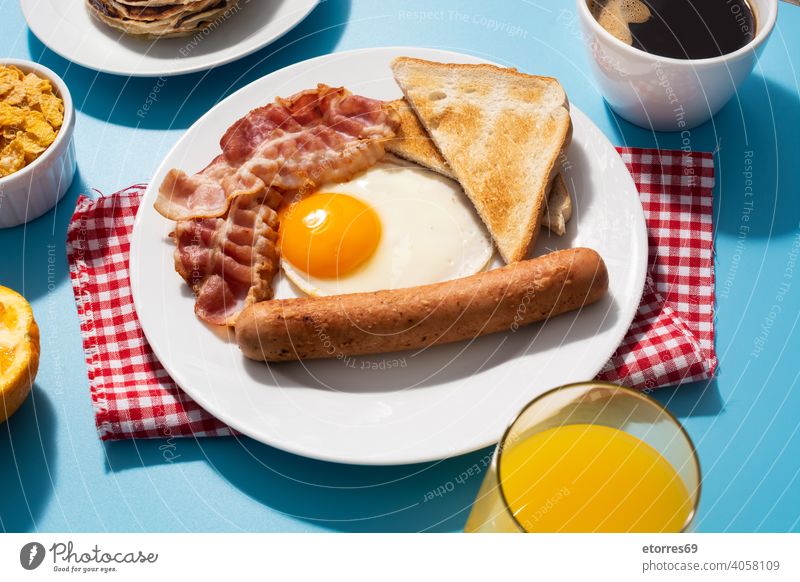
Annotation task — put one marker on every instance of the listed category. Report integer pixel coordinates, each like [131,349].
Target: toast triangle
[500,132]
[412,143]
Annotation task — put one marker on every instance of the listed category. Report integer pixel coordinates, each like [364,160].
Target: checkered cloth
[671,340]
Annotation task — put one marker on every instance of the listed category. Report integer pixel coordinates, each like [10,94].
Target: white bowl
[36,188]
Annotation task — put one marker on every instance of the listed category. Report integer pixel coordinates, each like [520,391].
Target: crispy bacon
[320,135]
[229,262]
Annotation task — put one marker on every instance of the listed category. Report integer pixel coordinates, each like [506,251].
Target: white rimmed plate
[67,28]
[405,407]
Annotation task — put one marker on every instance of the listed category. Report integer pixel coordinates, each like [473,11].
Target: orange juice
[592,478]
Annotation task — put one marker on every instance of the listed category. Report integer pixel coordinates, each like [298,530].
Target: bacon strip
[317,136]
[229,262]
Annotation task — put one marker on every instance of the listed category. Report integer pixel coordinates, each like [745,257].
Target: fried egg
[395,225]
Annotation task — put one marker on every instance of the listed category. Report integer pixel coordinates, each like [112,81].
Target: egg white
[430,232]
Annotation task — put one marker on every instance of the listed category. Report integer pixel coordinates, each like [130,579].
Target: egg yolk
[329,235]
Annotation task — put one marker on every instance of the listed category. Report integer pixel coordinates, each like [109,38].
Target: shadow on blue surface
[181,100]
[41,264]
[696,399]
[424,497]
[27,453]
[769,136]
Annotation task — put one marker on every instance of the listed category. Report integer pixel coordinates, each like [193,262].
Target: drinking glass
[589,403]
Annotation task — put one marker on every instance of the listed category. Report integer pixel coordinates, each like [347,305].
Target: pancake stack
[159,18]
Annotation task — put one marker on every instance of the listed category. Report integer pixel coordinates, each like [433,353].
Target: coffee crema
[680,29]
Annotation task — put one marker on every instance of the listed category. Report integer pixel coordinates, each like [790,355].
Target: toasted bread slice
[500,131]
[415,145]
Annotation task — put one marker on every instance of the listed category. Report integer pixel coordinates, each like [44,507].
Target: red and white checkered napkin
[671,340]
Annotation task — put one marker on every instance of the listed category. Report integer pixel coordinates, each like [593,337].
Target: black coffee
[681,29]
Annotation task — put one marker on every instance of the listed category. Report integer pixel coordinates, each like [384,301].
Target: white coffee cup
[666,94]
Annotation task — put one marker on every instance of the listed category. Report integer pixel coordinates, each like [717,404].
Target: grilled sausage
[412,318]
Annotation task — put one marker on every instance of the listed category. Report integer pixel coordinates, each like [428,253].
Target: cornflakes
[30,117]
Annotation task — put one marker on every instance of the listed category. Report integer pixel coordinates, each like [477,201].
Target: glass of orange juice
[590,457]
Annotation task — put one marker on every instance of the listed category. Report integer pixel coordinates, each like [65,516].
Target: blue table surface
[56,475]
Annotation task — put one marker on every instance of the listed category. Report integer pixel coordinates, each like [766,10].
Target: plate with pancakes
[160,37]
[379,256]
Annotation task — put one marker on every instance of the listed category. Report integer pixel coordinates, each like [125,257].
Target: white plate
[68,29]
[405,407]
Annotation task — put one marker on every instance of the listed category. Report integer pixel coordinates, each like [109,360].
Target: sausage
[402,319]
